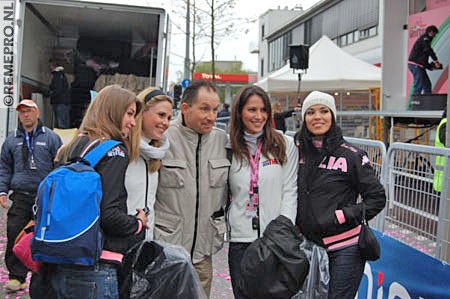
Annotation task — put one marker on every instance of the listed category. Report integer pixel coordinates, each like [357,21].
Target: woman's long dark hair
[273,142]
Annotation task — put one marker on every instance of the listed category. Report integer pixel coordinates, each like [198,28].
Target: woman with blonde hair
[111,116]
[141,180]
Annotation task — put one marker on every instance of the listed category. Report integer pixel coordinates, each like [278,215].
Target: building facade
[354,25]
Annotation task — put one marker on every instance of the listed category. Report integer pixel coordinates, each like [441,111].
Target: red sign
[237,78]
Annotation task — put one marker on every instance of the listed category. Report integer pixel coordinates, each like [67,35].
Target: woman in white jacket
[141,180]
[262,177]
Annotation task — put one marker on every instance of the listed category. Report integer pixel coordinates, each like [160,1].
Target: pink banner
[433,4]
[416,27]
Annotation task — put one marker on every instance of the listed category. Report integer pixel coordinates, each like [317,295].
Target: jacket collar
[20,131]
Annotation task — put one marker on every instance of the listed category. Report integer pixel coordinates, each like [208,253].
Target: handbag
[22,248]
[368,244]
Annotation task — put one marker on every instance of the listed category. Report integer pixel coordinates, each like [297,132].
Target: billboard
[403,272]
[417,24]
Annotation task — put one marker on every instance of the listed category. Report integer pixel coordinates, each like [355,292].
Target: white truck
[102,39]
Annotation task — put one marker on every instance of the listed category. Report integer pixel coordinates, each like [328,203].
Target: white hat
[27,103]
[318,98]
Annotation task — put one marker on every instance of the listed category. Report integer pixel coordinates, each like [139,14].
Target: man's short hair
[191,92]
[431,28]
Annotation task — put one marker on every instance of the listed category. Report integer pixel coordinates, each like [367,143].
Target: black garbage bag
[153,270]
[274,266]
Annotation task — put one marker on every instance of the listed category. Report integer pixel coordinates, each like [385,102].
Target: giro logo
[394,290]
[7,57]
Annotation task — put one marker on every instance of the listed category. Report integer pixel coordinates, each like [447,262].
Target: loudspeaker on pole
[299,57]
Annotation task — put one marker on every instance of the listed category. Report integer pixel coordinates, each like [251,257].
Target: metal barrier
[223,123]
[416,214]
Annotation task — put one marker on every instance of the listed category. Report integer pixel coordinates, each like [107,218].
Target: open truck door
[94,51]
[9,83]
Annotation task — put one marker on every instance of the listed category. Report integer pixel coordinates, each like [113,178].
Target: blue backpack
[67,211]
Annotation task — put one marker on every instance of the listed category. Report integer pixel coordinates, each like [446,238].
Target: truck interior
[97,44]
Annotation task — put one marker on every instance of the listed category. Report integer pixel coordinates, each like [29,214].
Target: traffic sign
[185,83]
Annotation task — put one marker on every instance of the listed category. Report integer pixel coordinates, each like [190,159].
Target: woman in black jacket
[332,174]
[110,116]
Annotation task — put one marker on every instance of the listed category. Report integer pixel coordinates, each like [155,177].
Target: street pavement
[221,286]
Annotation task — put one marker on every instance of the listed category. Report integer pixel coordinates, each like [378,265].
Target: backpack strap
[95,155]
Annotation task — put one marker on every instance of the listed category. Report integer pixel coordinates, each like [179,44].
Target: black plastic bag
[158,270]
[274,266]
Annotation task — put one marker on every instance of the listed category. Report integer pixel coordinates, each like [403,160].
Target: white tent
[330,68]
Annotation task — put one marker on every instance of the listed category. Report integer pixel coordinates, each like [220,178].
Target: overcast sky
[233,48]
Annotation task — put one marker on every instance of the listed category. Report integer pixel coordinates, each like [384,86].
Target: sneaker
[14,285]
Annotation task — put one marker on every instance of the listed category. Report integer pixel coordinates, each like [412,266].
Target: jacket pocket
[174,173]
[218,172]
[217,222]
[168,228]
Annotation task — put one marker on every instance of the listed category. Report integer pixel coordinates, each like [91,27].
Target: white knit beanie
[318,98]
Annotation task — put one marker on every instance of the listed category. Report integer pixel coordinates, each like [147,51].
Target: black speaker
[428,102]
[298,57]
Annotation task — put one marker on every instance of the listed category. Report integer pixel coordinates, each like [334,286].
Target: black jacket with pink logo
[331,178]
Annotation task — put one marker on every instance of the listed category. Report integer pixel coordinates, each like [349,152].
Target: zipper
[197,184]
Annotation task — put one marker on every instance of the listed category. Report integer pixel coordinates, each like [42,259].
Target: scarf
[149,152]
[251,140]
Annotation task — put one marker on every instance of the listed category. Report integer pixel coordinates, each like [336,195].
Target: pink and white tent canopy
[330,68]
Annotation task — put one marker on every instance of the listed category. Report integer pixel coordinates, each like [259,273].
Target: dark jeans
[235,253]
[346,271]
[19,214]
[61,113]
[421,83]
[40,287]
[99,282]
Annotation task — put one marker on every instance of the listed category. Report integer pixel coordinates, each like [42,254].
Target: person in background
[141,180]
[418,61]
[262,178]
[60,97]
[439,141]
[111,116]
[27,157]
[279,117]
[193,181]
[224,112]
[331,176]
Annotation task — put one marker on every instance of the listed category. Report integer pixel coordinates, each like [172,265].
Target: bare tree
[197,32]
[221,20]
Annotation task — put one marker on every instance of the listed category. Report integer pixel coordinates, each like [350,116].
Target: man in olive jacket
[193,181]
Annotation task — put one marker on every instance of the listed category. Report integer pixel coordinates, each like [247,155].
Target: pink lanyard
[254,176]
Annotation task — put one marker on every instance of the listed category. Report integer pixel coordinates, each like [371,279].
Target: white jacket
[277,193]
[135,183]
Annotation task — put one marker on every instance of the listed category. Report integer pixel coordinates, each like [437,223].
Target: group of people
[187,171]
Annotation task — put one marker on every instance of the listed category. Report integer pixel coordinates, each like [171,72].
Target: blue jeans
[346,271]
[62,115]
[235,253]
[421,83]
[97,282]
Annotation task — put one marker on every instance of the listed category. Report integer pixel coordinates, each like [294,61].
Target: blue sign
[185,83]
[404,272]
